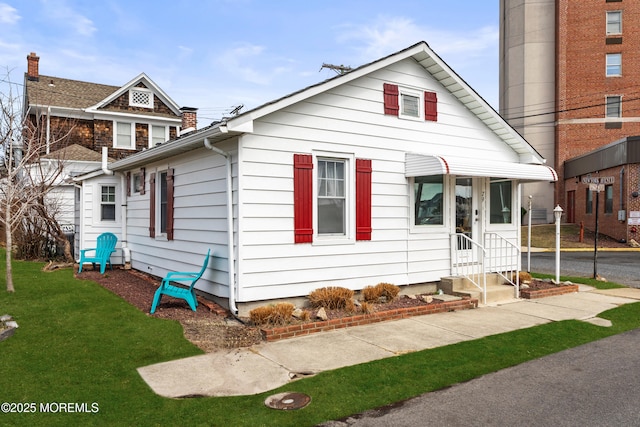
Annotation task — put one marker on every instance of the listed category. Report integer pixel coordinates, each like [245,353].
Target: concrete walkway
[268,366]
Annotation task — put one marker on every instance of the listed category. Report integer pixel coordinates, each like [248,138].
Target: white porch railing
[467,260]
[503,257]
[472,260]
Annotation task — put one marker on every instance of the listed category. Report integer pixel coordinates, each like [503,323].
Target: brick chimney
[189,118]
[33,73]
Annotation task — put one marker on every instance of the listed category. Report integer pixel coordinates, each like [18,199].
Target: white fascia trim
[138,118]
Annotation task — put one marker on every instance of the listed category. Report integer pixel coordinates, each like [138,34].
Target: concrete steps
[497,291]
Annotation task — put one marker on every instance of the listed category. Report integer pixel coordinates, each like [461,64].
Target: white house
[357,180]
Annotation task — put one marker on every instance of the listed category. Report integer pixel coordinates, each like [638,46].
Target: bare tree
[26,178]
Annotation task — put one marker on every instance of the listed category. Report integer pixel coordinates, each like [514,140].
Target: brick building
[569,78]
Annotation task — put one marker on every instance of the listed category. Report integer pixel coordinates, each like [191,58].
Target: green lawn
[79,343]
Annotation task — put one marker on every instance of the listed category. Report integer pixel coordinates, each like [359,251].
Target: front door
[467,212]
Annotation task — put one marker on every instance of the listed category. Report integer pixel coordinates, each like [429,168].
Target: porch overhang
[427,164]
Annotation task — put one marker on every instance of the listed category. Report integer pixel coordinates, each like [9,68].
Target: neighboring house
[616,202]
[568,83]
[77,120]
[357,180]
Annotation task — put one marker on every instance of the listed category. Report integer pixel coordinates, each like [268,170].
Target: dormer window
[140,97]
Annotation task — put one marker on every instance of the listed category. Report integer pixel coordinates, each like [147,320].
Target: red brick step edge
[541,293]
[290,331]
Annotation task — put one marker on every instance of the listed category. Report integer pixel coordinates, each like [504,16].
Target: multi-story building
[76,120]
[569,83]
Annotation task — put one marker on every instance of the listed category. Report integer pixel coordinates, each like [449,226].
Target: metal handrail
[503,257]
[467,259]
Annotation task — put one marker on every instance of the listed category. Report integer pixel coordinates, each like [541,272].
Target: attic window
[139,97]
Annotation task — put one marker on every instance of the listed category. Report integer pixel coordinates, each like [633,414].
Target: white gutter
[126,252]
[230,245]
[105,161]
[48,129]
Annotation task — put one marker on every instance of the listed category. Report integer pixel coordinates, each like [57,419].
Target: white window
[331,202]
[614,22]
[158,135]
[124,135]
[107,203]
[614,107]
[501,202]
[162,202]
[614,64]
[429,200]
[140,97]
[410,102]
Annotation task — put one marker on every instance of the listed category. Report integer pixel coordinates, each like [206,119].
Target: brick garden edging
[290,331]
[541,293]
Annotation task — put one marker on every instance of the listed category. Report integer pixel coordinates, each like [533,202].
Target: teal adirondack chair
[105,246]
[188,294]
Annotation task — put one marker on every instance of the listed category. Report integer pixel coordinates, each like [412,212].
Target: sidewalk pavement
[267,366]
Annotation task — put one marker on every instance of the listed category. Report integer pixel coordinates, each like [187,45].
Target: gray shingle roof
[66,93]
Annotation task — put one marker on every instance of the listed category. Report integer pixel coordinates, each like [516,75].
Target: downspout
[105,161]
[48,129]
[230,245]
[621,188]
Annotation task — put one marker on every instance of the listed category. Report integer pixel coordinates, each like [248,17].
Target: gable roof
[149,84]
[75,152]
[420,52]
[76,94]
[67,93]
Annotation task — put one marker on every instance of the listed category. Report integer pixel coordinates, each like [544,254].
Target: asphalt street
[619,267]
[597,384]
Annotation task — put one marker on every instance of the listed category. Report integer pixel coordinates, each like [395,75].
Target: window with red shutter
[303,197]
[431,106]
[363,199]
[391,105]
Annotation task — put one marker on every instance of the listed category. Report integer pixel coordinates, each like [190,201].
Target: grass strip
[79,343]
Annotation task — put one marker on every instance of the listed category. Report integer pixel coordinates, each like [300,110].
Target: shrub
[278,314]
[523,275]
[386,290]
[332,297]
[366,307]
[389,291]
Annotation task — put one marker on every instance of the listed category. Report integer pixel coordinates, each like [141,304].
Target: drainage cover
[287,401]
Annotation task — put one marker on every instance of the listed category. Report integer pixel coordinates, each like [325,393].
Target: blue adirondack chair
[188,294]
[105,246]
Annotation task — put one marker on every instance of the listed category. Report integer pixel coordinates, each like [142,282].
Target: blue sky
[216,54]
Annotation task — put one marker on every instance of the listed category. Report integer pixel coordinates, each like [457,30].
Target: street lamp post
[529,238]
[557,213]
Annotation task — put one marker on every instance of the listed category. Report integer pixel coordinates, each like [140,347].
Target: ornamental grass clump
[275,314]
[332,297]
[382,291]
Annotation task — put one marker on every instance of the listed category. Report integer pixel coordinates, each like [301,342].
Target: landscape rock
[322,314]
[5,318]
[634,244]
[297,313]
[428,299]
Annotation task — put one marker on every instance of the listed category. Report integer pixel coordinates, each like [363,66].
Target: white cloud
[59,12]
[390,34]
[8,14]
[250,63]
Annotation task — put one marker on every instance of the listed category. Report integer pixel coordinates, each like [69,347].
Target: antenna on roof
[236,110]
[339,69]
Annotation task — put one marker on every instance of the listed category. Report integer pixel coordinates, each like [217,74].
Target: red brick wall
[608,223]
[581,81]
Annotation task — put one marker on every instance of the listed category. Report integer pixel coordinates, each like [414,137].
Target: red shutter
[431,106]
[142,180]
[170,204]
[303,197]
[391,105]
[152,205]
[128,184]
[363,199]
